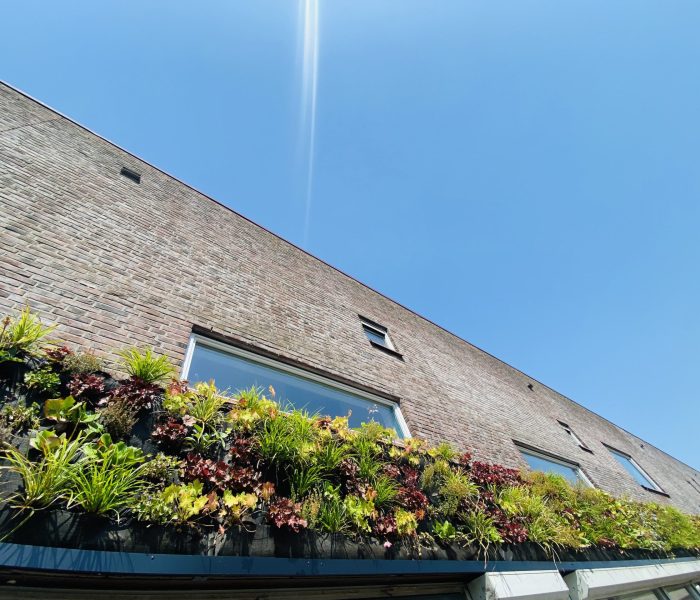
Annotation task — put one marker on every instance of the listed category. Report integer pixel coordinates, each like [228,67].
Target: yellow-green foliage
[545,525]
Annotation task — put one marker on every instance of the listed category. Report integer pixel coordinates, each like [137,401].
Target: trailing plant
[145,366]
[23,336]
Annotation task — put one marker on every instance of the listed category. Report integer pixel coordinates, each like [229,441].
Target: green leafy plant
[118,418]
[47,480]
[305,479]
[204,403]
[203,439]
[445,532]
[288,439]
[176,504]
[406,522]
[480,529]
[67,410]
[145,366]
[18,418]
[545,526]
[444,451]
[386,490]
[78,363]
[106,482]
[44,381]
[359,512]
[237,509]
[332,514]
[161,469]
[24,336]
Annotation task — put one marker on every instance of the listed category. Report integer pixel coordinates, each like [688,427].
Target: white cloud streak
[308,103]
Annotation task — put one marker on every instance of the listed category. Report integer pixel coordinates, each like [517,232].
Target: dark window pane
[233,373]
[375,336]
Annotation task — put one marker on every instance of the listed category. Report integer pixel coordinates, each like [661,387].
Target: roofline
[286,241]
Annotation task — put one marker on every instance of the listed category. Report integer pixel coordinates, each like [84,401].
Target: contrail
[308,107]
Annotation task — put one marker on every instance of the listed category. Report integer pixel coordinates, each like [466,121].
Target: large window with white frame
[541,461]
[235,369]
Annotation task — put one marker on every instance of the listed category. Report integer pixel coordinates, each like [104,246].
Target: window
[133,175]
[575,437]
[234,369]
[635,470]
[547,463]
[377,334]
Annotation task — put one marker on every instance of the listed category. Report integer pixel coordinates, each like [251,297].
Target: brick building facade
[116,262]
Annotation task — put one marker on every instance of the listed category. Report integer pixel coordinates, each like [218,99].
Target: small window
[129,174]
[547,463]
[234,369]
[575,437]
[635,470]
[377,334]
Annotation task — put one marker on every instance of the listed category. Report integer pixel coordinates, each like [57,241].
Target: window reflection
[539,463]
[232,372]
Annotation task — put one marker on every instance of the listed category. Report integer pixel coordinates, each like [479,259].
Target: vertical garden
[149,462]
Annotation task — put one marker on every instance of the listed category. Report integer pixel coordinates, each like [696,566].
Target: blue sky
[522,173]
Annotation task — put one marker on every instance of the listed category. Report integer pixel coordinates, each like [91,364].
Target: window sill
[654,491]
[387,350]
[586,449]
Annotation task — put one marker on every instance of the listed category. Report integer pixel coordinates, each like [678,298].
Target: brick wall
[118,263]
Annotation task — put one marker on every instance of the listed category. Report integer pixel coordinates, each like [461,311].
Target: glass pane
[233,373]
[678,594]
[632,470]
[537,463]
[375,336]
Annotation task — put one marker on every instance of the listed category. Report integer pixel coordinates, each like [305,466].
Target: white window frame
[291,370]
[574,437]
[655,486]
[380,330]
[555,459]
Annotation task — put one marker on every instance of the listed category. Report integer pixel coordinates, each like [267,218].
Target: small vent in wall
[129,174]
